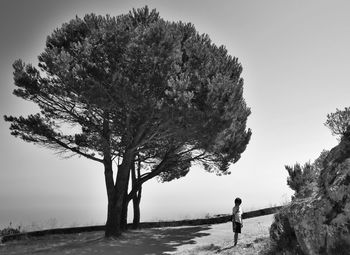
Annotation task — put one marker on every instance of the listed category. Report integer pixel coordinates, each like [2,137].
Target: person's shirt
[237,213]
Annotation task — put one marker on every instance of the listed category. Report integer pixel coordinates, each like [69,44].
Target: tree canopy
[134,87]
[339,121]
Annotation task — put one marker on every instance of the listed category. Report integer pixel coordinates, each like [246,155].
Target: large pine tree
[138,89]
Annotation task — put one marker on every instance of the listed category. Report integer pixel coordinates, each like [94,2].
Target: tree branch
[75,150]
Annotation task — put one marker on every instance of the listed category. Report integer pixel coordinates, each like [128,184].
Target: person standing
[237,223]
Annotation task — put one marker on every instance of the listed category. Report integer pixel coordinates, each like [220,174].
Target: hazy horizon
[295,57]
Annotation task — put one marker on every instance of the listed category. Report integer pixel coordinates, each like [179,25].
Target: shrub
[10,230]
[302,179]
[339,122]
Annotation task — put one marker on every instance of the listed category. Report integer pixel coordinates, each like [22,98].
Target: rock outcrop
[321,222]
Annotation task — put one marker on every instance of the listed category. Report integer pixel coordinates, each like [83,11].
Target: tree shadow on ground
[135,242]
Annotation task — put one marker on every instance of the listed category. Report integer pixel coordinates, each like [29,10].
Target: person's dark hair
[238,201]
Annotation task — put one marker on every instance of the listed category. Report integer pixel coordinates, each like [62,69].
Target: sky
[295,57]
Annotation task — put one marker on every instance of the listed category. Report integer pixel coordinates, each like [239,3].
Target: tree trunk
[120,188]
[136,197]
[111,224]
[111,228]
[136,204]
[124,220]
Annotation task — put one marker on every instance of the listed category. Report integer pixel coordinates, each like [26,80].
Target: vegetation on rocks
[317,221]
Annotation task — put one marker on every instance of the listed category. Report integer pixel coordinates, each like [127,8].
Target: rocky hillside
[319,223]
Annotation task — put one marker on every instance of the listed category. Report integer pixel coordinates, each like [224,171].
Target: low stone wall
[207,221]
